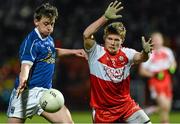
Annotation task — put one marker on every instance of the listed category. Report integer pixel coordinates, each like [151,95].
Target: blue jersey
[41,54]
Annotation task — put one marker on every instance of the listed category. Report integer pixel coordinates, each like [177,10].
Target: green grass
[85,117]
[78,117]
[174,117]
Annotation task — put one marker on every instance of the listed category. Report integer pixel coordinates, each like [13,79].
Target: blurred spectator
[8,72]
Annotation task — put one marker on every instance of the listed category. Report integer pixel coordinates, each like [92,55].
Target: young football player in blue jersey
[37,56]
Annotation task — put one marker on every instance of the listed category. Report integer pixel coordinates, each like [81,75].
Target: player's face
[157,40]
[113,43]
[45,26]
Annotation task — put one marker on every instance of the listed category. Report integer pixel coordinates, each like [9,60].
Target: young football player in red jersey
[110,71]
[158,69]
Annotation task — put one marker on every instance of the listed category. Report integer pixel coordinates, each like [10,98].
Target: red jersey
[110,83]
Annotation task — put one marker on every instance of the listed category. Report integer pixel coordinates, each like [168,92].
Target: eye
[109,38]
[52,24]
[117,40]
[46,23]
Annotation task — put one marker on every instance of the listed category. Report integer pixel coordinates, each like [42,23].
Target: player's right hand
[81,53]
[113,9]
[21,88]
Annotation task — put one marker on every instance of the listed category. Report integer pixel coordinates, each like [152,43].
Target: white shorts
[139,117]
[27,104]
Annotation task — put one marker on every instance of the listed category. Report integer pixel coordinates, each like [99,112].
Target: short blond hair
[115,28]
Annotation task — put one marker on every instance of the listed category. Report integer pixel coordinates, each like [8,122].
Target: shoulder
[126,50]
[167,49]
[129,53]
[96,47]
[32,36]
[30,41]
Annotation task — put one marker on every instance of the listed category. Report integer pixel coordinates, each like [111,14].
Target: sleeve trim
[27,62]
[92,48]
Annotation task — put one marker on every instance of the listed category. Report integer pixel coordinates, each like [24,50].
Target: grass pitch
[85,117]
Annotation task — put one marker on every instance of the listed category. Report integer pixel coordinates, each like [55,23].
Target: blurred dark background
[140,18]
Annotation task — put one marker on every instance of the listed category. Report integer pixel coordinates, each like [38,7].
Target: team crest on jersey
[121,58]
[50,58]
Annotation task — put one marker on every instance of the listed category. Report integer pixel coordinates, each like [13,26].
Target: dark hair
[46,10]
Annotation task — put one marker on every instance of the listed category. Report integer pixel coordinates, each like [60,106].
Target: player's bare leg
[165,107]
[15,120]
[62,116]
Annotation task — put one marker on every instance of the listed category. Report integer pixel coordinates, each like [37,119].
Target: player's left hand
[147,45]
[80,53]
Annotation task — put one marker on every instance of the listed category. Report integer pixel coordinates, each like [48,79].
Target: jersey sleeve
[28,51]
[93,52]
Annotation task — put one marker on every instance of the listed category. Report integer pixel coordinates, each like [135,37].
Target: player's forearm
[65,52]
[140,57]
[93,28]
[144,56]
[23,76]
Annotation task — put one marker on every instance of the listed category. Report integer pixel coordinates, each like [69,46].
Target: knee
[165,108]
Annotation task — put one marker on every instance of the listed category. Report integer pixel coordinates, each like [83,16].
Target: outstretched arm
[110,13]
[71,52]
[23,77]
[90,30]
[143,56]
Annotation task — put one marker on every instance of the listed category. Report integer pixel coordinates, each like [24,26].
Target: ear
[35,22]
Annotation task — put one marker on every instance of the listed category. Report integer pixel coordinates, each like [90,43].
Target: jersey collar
[37,31]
